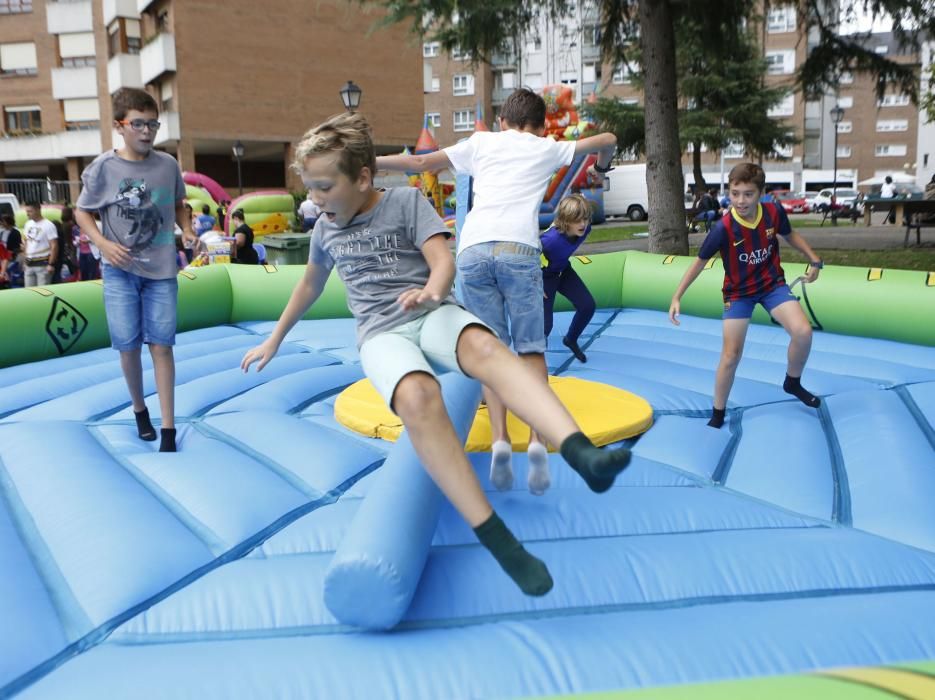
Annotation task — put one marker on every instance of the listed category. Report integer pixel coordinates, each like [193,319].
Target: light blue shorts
[501,282]
[429,344]
[139,310]
[743,308]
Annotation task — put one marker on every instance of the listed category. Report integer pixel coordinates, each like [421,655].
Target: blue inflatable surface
[260,560]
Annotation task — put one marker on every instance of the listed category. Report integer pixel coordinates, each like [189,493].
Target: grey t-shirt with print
[378,255]
[136,202]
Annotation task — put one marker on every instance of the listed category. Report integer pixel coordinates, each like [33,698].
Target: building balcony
[498,95]
[170,131]
[119,8]
[590,52]
[67,17]
[142,5]
[42,147]
[503,60]
[71,83]
[123,70]
[157,57]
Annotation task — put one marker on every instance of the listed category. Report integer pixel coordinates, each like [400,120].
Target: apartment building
[258,73]
[874,137]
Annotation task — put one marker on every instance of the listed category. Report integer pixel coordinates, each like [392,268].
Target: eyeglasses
[138,124]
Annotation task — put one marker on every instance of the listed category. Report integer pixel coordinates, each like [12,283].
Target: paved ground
[842,236]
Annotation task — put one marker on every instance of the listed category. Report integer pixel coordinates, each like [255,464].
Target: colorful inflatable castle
[440,194]
[562,123]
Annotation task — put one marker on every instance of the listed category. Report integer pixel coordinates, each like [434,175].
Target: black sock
[529,573]
[144,426]
[168,440]
[793,385]
[575,350]
[597,467]
[717,417]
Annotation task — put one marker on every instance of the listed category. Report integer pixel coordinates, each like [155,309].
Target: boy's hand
[413,299]
[189,237]
[264,352]
[674,309]
[812,274]
[594,176]
[115,253]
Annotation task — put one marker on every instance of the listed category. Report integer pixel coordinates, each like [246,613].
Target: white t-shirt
[309,210]
[39,236]
[887,190]
[511,171]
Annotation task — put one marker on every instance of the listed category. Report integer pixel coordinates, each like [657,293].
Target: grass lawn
[893,259]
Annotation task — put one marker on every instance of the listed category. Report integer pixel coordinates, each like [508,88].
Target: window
[847,78]
[781,19]
[458,55]
[534,81]
[893,101]
[123,36]
[533,45]
[591,35]
[845,127]
[433,119]
[464,120]
[844,151]
[785,108]
[81,114]
[430,49]
[782,151]
[18,59]
[780,62]
[630,101]
[590,72]
[890,149]
[892,125]
[463,84]
[13,7]
[508,80]
[22,119]
[882,49]
[622,75]
[845,102]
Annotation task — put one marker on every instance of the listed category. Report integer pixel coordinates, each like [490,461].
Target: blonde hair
[571,210]
[347,134]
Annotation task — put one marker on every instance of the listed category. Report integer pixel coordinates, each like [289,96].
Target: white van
[625,192]
[8,204]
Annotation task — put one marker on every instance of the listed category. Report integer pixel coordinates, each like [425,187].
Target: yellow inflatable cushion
[606,414]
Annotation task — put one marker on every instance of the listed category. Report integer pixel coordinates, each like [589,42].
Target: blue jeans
[501,283]
[139,310]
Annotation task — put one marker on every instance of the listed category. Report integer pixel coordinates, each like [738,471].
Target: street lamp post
[837,114]
[350,96]
[238,151]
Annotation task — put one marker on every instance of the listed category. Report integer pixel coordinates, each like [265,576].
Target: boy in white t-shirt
[499,274]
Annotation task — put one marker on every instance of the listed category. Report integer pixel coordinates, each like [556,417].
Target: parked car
[809,197]
[845,197]
[793,203]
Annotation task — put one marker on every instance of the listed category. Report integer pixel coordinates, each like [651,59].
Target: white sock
[501,465]
[538,479]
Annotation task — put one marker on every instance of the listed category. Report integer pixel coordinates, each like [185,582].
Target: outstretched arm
[691,274]
[305,294]
[433,162]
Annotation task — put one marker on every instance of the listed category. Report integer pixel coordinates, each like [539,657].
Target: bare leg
[792,318]
[132,367]
[164,368]
[418,402]
[735,332]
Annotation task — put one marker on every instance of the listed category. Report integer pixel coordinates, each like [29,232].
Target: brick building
[260,73]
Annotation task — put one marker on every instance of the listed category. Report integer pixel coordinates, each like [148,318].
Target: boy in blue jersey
[746,239]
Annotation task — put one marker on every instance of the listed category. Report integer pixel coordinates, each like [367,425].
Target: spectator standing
[243,252]
[309,213]
[41,247]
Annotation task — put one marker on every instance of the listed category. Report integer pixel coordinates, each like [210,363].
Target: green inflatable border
[69,318]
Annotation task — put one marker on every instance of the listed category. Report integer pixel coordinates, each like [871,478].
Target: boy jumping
[390,250]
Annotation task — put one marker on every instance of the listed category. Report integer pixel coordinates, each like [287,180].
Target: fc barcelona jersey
[750,251]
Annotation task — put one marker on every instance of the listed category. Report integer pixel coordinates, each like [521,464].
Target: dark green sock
[597,467]
[529,573]
[168,440]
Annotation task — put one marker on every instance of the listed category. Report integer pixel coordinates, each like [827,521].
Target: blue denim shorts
[743,308]
[501,283]
[139,310]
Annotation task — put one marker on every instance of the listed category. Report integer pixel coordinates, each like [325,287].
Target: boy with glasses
[138,194]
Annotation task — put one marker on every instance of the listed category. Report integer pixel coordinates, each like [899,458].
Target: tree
[482,27]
